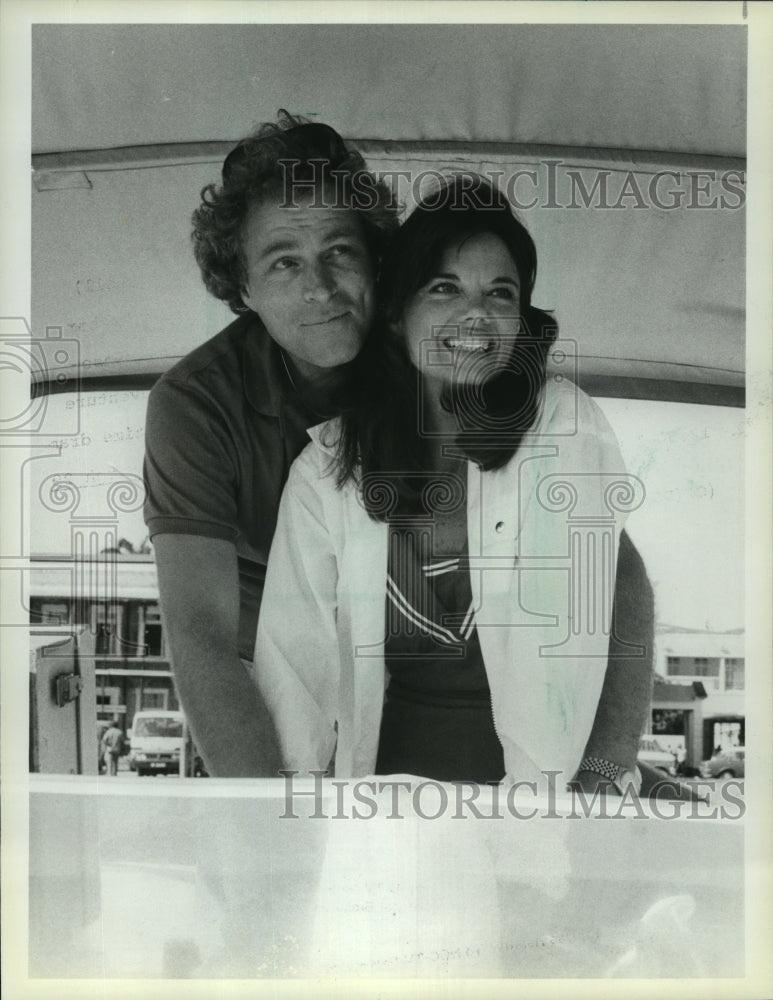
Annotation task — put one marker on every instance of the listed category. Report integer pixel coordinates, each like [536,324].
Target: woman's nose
[477,312]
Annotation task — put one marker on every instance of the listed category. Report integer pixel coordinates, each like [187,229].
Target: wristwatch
[622,778]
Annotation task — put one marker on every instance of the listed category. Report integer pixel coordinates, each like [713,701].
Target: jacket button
[499,527]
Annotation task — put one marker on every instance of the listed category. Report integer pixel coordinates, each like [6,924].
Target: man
[112,745]
[286,242]
[297,260]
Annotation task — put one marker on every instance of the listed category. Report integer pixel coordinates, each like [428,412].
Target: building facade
[713,664]
[116,599]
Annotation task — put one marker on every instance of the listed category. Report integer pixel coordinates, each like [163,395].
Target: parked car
[729,763]
[652,753]
[156,742]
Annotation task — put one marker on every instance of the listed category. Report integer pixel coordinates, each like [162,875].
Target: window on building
[728,734]
[693,666]
[735,673]
[153,637]
[109,703]
[105,621]
[155,698]
[49,612]
[668,721]
[131,644]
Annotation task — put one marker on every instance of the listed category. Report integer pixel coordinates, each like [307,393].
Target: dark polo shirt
[223,428]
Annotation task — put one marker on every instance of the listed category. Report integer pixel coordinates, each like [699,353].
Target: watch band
[612,771]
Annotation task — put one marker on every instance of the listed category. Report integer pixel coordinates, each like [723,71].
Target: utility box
[63,708]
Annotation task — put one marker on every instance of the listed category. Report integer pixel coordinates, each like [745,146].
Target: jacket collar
[325,435]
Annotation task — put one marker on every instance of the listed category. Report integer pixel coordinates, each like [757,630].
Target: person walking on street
[112,745]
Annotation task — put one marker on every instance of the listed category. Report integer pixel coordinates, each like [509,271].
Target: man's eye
[341,250]
[283,263]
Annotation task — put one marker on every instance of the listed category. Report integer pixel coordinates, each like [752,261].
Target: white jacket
[542,535]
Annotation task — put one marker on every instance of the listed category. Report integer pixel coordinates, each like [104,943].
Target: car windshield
[158,727]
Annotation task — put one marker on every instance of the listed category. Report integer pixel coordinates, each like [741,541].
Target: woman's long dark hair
[382,439]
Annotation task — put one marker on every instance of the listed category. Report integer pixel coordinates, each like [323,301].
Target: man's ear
[244,291]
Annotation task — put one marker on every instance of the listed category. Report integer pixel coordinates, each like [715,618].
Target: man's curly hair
[254,170]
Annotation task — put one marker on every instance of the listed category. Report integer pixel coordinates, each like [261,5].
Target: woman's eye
[503,293]
[443,287]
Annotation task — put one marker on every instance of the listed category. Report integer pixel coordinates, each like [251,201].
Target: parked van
[156,742]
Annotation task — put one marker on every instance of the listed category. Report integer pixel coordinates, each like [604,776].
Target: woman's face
[462,324]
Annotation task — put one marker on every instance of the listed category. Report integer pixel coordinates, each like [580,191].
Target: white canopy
[130,121]
[675,88]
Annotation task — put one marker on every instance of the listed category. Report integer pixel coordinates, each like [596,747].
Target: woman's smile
[473,345]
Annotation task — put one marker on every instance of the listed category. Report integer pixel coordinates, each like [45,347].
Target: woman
[429,536]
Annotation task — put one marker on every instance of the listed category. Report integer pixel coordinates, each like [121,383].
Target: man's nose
[320,284]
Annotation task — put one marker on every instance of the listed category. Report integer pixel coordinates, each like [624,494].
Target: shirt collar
[263,373]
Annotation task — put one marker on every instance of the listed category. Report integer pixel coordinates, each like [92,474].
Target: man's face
[310,279]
